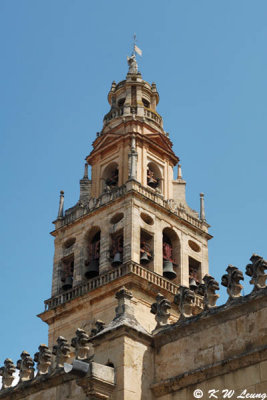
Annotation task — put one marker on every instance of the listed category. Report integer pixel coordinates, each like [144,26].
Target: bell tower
[131,226]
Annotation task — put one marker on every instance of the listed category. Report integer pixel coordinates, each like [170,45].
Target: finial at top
[133,66]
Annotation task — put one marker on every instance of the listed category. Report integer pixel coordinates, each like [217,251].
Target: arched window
[171,253]
[154,178]
[110,176]
[92,243]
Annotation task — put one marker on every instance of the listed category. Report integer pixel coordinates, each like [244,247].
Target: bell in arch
[67,284]
[144,259]
[192,284]
[117,260]
[145,252]
[168,271]
[92,269]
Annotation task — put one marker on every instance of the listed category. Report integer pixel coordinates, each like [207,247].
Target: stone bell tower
[131,226]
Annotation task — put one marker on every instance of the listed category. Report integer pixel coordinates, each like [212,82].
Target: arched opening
[116,249]
[146,248]
[194,273]
[110,176]
[154,178]
[66,273]
[92,252]
[171,253]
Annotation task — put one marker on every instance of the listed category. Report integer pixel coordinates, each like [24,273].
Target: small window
[69,242]
[121,102]
[116,218]
[146,103]
[194,246]
[147,219]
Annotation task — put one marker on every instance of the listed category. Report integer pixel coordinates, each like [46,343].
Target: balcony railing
[130,268]
[153,115]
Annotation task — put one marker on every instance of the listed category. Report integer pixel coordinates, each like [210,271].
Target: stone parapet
[129,268]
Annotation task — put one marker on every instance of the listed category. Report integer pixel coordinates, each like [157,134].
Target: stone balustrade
[129,268]
[150,114]
[81,210]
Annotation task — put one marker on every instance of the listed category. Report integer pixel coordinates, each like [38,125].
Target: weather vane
[133,67]
[136,49]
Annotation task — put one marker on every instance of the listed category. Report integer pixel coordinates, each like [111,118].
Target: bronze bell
[116,260]
[67,284]
[192,284]
[144,259]
[168,271]
[92,269]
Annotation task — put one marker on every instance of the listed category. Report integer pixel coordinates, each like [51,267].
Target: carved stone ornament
[7,372]
[161,310]
[25,366]
[185,301]
[99,326]
[207,290]
[62,351]
[124,297]
[43,358]
[133,67]
[81,344]
[231,281]
[256,270]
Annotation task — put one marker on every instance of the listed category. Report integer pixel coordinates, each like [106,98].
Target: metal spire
[134,44]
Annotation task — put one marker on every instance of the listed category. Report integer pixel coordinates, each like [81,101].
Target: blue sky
[58,59]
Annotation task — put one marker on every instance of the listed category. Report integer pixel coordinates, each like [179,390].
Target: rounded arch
[171,253]
[110,176]
[154,176]
[92,252]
